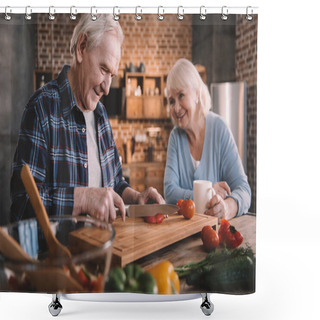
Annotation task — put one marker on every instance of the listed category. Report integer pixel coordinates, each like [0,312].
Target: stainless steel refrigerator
[229,99]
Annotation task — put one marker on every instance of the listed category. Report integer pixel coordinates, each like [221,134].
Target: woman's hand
[222,188]
[222,208]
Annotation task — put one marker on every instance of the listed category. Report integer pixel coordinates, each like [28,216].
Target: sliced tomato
[83,278]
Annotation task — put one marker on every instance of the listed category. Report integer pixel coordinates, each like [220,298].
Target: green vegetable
[116,280]
[148,283]
[131,278]
[222,271]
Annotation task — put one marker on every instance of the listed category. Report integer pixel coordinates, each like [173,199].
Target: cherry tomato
[179,203]
[97,284]
[83,278]
[209,238]
[157,219]
[187,208]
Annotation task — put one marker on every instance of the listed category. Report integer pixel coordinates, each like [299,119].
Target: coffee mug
[202,194]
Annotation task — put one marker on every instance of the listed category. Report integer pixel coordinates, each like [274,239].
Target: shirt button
[85,165]
[83,130]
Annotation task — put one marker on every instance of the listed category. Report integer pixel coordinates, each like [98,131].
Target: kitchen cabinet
[145,174]
[145,96]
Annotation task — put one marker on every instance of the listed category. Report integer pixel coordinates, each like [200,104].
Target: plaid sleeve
[32,150]
[120,183]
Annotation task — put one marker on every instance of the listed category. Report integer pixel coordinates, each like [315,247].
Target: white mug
[202,194]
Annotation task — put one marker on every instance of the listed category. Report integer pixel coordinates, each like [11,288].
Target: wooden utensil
[52,280]
[56,249]
[11,249]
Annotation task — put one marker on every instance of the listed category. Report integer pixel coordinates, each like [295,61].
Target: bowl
[90,242]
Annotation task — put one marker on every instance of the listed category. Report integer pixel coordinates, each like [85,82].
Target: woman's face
[184,107]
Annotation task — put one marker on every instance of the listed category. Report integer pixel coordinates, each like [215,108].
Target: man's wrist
[78,200]
[130,196]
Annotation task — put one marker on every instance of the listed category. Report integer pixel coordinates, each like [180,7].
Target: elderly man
[65,135]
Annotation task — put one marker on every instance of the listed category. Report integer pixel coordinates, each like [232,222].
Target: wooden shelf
[145,96]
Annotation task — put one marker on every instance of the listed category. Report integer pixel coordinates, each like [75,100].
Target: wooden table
[191,248]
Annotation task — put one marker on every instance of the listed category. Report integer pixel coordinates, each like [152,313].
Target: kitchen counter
[191,249]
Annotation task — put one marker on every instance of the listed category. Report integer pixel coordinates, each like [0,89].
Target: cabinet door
[134,108]
[152,108]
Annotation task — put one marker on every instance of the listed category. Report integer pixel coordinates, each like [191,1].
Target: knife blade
[144,210]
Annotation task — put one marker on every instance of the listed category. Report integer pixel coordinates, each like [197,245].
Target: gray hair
[95,30]
[185,75]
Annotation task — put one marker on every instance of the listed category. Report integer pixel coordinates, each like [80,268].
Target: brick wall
[157,44]
[246,69]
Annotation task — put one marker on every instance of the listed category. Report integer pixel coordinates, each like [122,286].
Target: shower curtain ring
[116,15]
[203,13]
[224,13]
[249,16]
[180,13]
[160,15]
[51,13]
[73,13]
[28,13]
[93,15]
[7,10]
[138,16]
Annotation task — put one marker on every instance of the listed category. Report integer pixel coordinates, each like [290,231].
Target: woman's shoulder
[215,121]
[177,132]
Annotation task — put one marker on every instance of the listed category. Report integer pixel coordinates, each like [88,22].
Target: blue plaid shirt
[52,141]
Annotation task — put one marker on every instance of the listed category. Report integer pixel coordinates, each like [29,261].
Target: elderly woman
[201,147]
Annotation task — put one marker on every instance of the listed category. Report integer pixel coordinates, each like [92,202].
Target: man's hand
[99,203]
[151,195]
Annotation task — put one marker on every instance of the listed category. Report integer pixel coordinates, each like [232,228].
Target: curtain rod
[161,11]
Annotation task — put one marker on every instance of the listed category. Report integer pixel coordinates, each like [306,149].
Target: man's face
[95,69]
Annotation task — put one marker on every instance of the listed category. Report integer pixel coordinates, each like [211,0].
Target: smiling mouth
[96,92]
[180,116]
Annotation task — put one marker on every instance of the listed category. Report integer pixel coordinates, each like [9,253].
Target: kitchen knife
[144,210]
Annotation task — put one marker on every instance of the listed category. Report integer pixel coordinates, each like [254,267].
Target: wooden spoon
[11,249]
[56,249]
[43,280]
[52,280]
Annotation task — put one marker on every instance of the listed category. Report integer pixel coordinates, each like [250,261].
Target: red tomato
[229,236]
[209,238]
[83,278]
[157,219]
[179,203]
[187,208]
[204,230]
[97,284]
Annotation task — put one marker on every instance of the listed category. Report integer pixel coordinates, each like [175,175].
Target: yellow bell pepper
[167,279]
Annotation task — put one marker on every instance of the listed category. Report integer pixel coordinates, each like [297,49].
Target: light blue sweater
[220,161]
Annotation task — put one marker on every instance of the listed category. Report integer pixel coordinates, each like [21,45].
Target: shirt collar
[68,100]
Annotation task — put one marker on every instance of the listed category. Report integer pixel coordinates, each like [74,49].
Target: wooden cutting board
[135,238]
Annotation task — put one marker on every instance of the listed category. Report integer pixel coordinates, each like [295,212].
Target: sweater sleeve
[172,190]
[231,171]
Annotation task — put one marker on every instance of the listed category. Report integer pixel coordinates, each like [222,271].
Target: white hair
[185,75]
[95,30]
